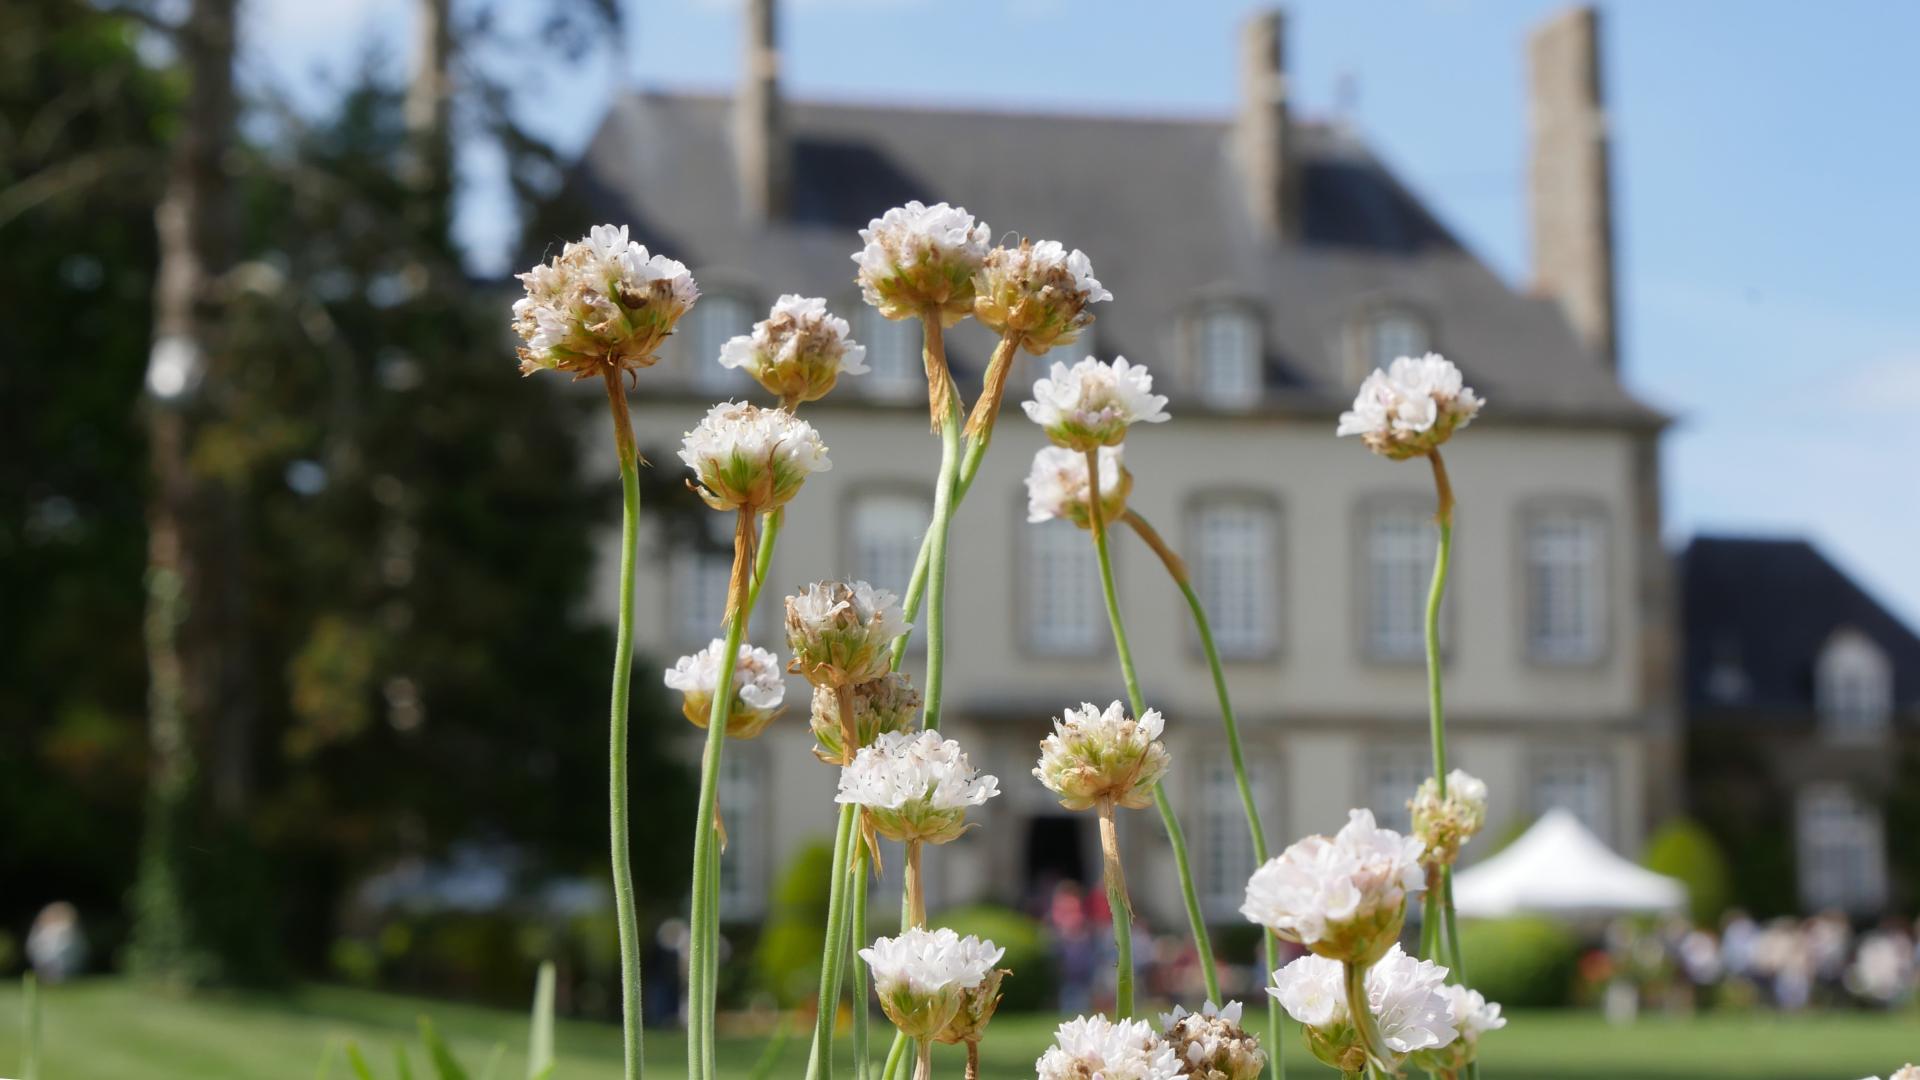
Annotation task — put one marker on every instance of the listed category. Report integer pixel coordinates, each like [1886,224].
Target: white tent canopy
[1558,868]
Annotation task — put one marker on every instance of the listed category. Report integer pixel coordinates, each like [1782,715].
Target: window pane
[1579,782]
[1842,851]
[1226,858]
[1853,685]
[1393,775]
[1400,546]
[1063,609]
[716,318]
[742,888]
[1396,334]
[1564,583]
[698,589]
[886,538]
[1235,575]
[1227,348]
[893,354]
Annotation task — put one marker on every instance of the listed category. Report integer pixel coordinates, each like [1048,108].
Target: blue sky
[1766,159]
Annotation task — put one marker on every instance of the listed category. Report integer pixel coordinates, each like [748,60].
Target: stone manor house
[1262,263]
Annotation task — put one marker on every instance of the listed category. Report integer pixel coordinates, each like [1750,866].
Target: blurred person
[1882,970]
[56,944]
[1075,951]
[1738,935]
[1829,944]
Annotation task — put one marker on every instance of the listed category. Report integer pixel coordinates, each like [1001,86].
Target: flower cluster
[886,704]
[1091,404]
[917,259]
[1057,486]
[1443,824]
[915,787]
[1089,1047]
[1472,1016]
[1099,756]
[922,976]
[1909,1072]
[603,303]
[840,632]
[758,688]
[1410,408]
[1212,1044]
[749,458]
[1409,1001]
[1343,896]
[1039,293]
[798,351]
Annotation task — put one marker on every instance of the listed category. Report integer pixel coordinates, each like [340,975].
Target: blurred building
[1262,263]
[1802,696]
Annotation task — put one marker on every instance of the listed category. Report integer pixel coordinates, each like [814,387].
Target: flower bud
[1445,824]
[886,704]
[918,258]
[1091,404]
[604,302]
[841,634]
[1057,486]
[1410,408]
[798,351]
[915,787]
[922,975]
[977,1006]
[1039,292]
[1344,896]
[1096,756]
[749,458]
[1213,1044]
[757,685]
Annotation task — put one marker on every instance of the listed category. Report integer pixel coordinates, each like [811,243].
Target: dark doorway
[1057,847]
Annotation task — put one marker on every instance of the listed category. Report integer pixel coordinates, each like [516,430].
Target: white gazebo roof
[1558,868]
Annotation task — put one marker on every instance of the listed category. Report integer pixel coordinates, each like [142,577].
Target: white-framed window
[1060,599]
[715,319]
[886,529]
[1226,354]
[1394,333]
[1565,553]
[1398,544]
[697,589]
[1579,782]
[741,796]
[1394,773]
[893,355]
[1226,857]
[1236,550]
[1853,687]
[1842,851]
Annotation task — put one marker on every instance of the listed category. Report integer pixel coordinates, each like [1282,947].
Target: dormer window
[717,317]
[1853,687]
[1393,333]
[1226,357]
[893,355]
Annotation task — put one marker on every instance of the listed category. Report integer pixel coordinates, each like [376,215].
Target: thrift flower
[798,351]
[757,687]
[1408,998]
[1410,408]
[1472,1015]
[1096,1048]
[916,259]
[977,1006]
[1445,824]
[1039,292]
[922,975]
[1057,486]
[749,458]
[1213,1044]
[1096,756]
[1090,404]
[604,302]
[884,705]
[840,632]
[1344,896]
[915,786]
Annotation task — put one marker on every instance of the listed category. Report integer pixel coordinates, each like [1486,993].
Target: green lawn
[108,1030]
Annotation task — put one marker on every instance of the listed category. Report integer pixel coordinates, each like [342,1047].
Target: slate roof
[1763,609]
[1156,204]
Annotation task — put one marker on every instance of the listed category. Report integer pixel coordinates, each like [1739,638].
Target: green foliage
[1522,962]
[1685,850]
[1033,982]
[786,961]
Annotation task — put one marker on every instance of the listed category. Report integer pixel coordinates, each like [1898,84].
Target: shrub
[1521,963]
[1029,952]
[786,961]
[1682,848]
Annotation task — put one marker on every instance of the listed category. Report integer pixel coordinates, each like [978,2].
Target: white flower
[885,704]
[1057,485]
[922,975]
[758,687]
[798,351]
[1212,1043]
[841,632]
[1409,1000]
[1312,990]
[1410,408]
[1096,1048]
[1091,404]
[1039,292]
[1097,755]
[750,458]
[1343,896]
[915,786]
[1444,824]
[1471,1012]
[603,302]
[915,258]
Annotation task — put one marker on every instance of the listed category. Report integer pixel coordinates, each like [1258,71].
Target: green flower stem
[1175,837]
[1177,569]
[895,1058]
[834,954]
[936,587]
[1379,1058]
[1122,908]
[857,937]
[1454,959]
[1441,913]
[618,836]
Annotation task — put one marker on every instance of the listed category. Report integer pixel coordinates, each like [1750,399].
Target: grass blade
[30,1049]
[444,1066]
[540,1041]
[495,1057]
[358,1063]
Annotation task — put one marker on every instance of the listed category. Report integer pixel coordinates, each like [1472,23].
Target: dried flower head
[749,458]
[1091,404]
[917,258]
[884,705]
[1096,1048]
[1472,1016]
[922,975]
[1212,1043]
[1445,824]
[1343,896]
[977,1006]
[1410,408]
[1103,755]
[603,303]
[1057,486]
[1408,998]
[840,632]
[915,786]
[798,351]
[1039,292]
[758,687]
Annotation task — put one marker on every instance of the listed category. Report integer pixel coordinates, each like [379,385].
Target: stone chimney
[1568,183]
[1262,134]
[761,153]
